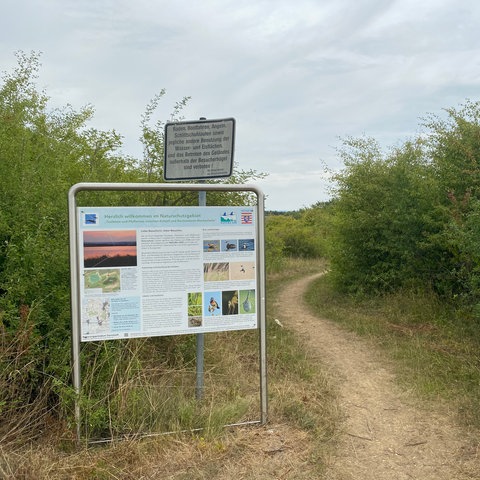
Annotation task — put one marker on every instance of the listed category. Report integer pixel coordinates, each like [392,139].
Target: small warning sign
[199,149]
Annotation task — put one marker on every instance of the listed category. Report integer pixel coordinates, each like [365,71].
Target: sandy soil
[387,434]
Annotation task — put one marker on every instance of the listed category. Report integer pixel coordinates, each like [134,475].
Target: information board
[153,271]
[199,150]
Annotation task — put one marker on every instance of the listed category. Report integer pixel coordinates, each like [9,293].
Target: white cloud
[295,187]
[296,76]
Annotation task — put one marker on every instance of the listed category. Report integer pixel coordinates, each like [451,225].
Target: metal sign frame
[75,272]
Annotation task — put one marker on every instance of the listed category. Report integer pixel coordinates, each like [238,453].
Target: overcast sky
[296,75]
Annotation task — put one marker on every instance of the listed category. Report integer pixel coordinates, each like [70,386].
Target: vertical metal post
[75,322]
[262,307]
[200,337]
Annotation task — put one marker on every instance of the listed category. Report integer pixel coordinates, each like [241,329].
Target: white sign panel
[199,150]
[152,271]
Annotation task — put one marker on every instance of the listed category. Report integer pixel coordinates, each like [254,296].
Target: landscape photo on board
[110,248]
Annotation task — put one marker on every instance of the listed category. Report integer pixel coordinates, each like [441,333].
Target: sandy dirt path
[386,434]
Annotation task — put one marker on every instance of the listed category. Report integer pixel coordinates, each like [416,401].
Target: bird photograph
[212,304]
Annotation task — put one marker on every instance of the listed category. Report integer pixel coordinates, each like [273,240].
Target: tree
[409,218]
[454,145]
[382,216]
[42,154]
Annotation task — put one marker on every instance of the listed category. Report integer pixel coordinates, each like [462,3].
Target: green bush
[409,218]
[42,154]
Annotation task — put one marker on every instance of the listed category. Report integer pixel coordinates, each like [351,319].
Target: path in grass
[386,433]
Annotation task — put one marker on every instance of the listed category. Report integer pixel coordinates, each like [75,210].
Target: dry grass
[276,451]
[295,444]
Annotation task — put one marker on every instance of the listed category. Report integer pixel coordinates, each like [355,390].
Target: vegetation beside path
[434,352]
[295,444]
